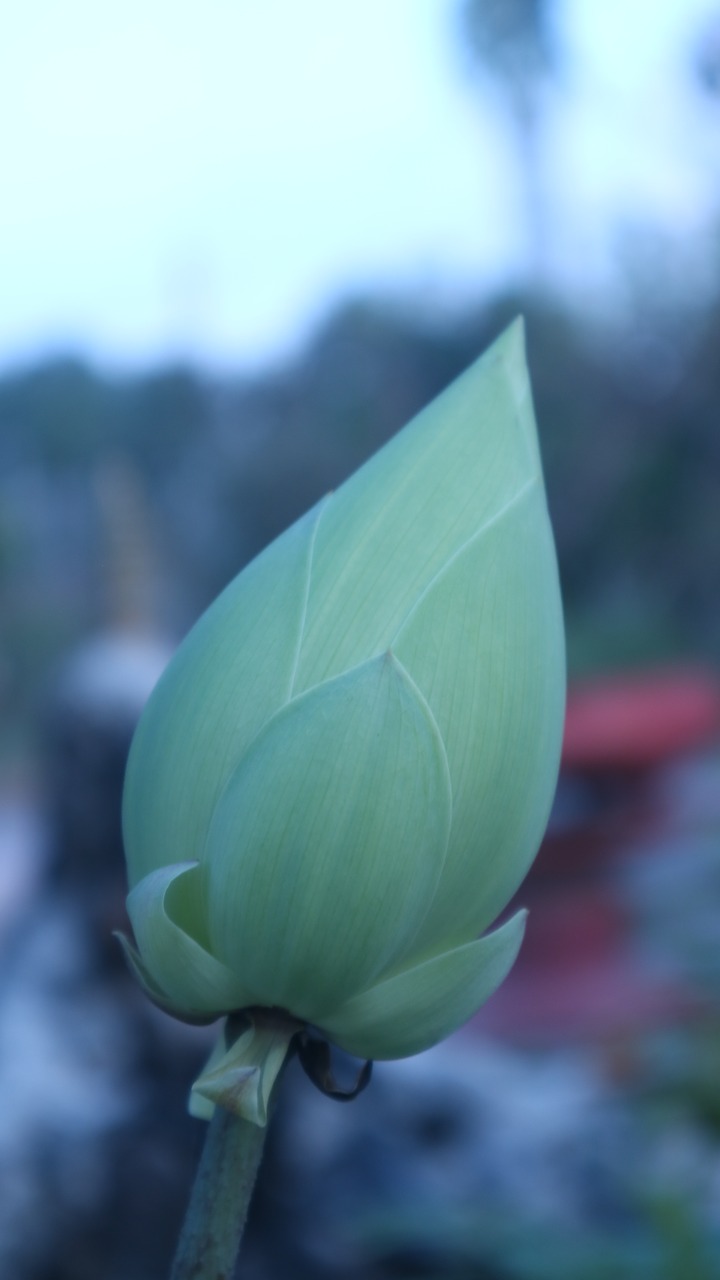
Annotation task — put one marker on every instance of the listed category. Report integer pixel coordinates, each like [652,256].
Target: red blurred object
[580,974]
[631,722]
[577,977]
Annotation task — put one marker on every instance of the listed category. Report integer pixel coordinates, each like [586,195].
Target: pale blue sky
[204,178]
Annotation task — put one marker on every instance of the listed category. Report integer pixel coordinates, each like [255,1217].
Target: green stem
[239,1083]
[210,1238]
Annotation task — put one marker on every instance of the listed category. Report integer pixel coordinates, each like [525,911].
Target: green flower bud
[346,769]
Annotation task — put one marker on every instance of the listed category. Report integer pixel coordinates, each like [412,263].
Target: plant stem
[213,1227]
[239,1081]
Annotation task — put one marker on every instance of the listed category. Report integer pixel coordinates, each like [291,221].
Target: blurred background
[240,245]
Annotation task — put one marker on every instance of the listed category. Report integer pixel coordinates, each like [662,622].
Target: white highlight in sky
[204,175]
[641,144]
[205,178]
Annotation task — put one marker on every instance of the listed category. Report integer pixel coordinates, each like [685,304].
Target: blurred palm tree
[513,42]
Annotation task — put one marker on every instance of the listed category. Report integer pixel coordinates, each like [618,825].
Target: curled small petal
[163,910]
[144,978]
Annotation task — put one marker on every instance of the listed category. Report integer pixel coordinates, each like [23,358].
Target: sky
[206,179]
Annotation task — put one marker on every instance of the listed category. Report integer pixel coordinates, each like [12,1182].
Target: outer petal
[327,845]
[233,671]
[390,528]
[161,912]
[418,1007]
[485,645]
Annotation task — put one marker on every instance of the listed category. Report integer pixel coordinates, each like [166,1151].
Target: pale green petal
[390,528]
[163,916]
[485,645]
[419,1007]
[327,845]
[234,670]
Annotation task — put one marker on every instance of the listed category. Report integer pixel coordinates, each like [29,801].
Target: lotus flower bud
[345,771]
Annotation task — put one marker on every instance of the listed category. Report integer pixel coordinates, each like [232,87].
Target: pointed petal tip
[509,346]
[512,349]
[514,335]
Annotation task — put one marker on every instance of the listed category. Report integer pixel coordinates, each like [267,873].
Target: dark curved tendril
[316,1061]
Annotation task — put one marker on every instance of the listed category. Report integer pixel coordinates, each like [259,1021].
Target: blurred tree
[707,57]
[512,42]
[164,413]
[55,415]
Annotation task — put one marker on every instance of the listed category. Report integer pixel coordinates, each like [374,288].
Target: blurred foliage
[663,1242]
[660,1225]
[511,39]
[222,465]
